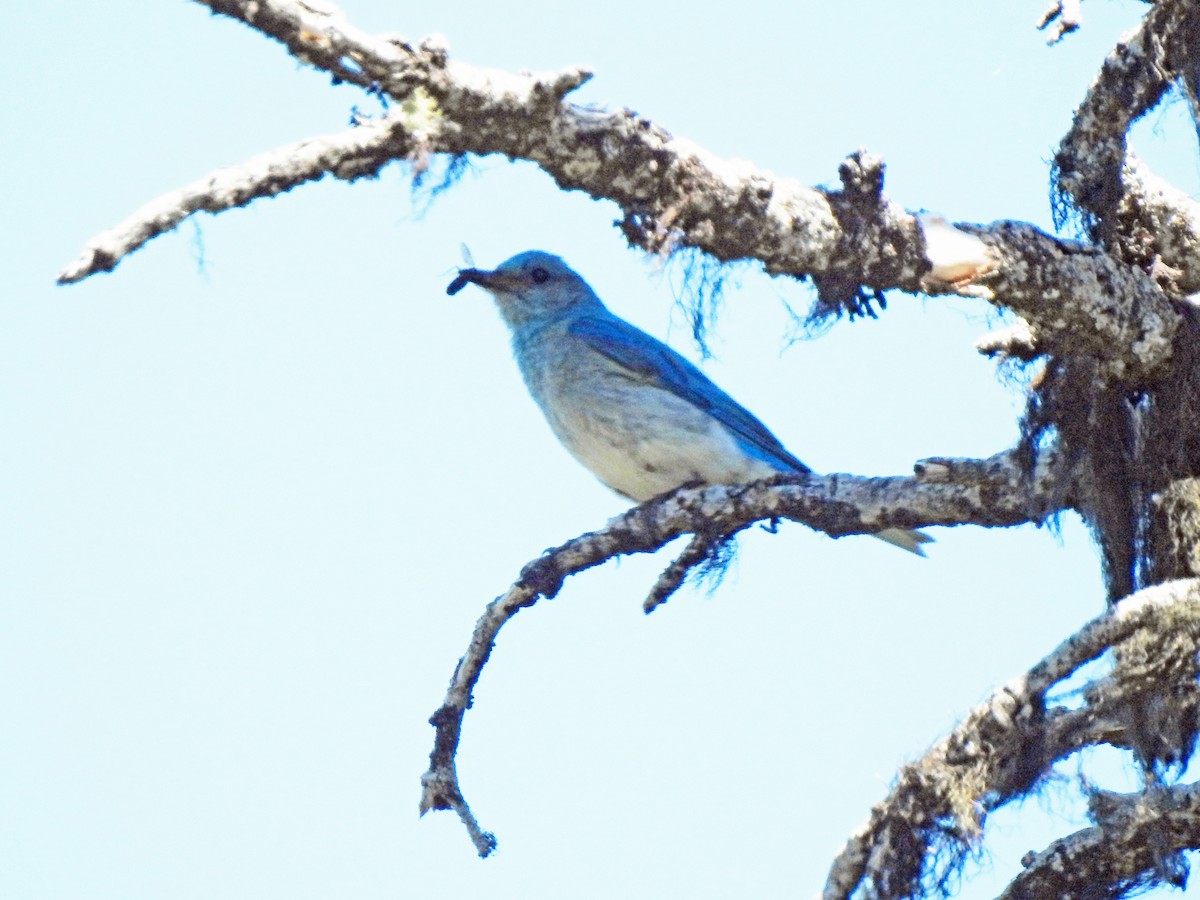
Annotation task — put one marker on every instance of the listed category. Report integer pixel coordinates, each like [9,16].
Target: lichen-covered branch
[1014,341]
[357,153]
[673,193]
[1136,843]
[944,492]
[1078,301]
[1134,77]
[1107,311]
[1119,198]
[936,811]
[1167,222]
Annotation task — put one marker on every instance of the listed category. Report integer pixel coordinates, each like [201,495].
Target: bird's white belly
[644,452]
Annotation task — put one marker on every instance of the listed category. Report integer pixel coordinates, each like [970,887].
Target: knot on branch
[564,82]
[861,174]
[435,49]
[543,576]
[1016,343]
[875,248]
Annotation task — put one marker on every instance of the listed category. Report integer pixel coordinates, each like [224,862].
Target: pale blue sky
[253,507]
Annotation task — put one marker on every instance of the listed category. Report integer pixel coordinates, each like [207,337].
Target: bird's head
[530,287]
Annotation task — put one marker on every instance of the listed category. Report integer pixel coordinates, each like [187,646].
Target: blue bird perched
[642,418]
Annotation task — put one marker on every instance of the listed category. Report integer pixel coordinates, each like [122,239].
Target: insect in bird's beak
[465,277]
[465,274]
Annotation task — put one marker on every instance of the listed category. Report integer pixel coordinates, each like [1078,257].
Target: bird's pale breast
[638,439]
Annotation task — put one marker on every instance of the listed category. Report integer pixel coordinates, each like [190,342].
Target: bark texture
[1112,427]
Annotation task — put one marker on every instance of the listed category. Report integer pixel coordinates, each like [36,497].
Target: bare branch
[998,752]
[357,153]
[673,193]
[945,492]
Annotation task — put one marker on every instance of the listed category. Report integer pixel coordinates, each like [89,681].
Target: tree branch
[1015,341]
[1167,221]
[672,192]
[1077,300]
[854,242]
[1064,15]
[1121,199]
[1134,77]
[999,752]
[357,153]
[1135,844]
[945,492]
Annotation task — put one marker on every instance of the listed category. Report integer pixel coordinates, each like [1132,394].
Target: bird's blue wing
[653,362]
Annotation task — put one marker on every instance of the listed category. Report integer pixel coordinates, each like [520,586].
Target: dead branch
[945,492]
[357,153]
[1061,18]
[1001,749]
[1119,198]
[1136,843]
[673,193]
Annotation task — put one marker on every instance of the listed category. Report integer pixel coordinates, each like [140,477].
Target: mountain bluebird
[642,418]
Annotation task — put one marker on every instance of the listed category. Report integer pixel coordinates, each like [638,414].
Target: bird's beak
[489,280]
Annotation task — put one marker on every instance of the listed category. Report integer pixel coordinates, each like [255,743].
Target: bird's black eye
[539,275]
